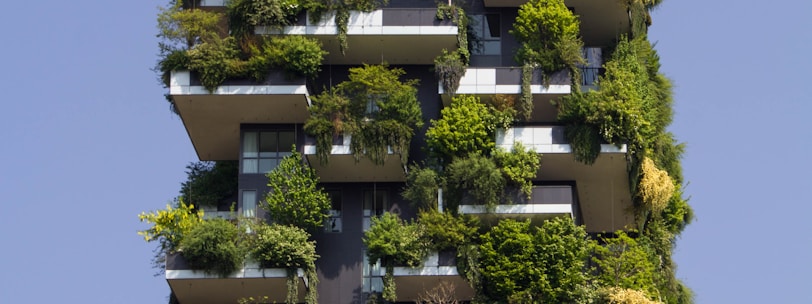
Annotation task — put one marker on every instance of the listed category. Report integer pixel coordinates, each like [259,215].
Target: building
[254,123]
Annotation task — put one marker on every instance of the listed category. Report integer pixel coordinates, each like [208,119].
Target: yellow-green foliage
[656,187]
[170,225]
[520,166]
[617,295]
[467,126]
[182,28]
[549,33]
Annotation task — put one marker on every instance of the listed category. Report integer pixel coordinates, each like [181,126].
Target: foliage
[519,166]
[210,183]
[467,126]
[213,246]
[180,28]
[375,107]
[507,260]
[394,242]
[548,33]
[526,105]
[294,197]
[281,246]
[422,185]
[171,225]
[678,213]
[624,262]
[617,295]
[449,69]
[478,178]
[541,266]
[445,231]
[296,54]
[656,188]
[328,114]
[215,59]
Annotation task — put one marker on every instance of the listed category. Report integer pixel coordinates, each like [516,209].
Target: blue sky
[89,142]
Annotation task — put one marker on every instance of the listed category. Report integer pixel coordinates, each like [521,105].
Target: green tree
[507,260]
[281,246]
[422,185]
[210,183]
[394,242]
[295,198]
[380,111]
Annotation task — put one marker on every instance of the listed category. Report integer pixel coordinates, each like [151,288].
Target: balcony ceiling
[213,121]
[229,290]
[601,21]
[393,49]
[410,287]
[343,168]
[603,188]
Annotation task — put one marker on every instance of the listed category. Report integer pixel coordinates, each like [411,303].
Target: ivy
[449,69]
[294,197]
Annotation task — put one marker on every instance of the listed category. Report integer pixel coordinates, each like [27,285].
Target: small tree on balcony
[295,198]
[380,111]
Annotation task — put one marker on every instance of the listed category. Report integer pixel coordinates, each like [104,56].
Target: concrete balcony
[544,203]
[487,82]
[194,286]
[379,36]
[437,268]
[343,167]
[602,22]
[213,119]
[602,188]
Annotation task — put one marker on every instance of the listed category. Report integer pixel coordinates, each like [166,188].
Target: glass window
[262,151]
[249,203]
[487,34]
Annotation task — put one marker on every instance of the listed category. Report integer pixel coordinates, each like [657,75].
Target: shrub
[519,166]
[548,32]
[210,183]
[280,246]
[463,128]
[297,55]
[422,185]
[213,246]
[656,187]
[171,225]
[445,231]
[478,178]
[624,262]
[213,60]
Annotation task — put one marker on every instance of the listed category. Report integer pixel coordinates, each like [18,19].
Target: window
[487,32]
[249,203]
[376,202]
[333,223]
[262,151]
